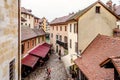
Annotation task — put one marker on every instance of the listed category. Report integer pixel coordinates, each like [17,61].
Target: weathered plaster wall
[91,24]
[8,37]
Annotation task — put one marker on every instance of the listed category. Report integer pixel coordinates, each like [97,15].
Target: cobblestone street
[57,70]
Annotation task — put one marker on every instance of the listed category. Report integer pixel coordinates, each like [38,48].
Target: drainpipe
[19,29]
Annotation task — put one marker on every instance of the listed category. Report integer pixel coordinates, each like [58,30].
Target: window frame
[51,35]
[12,70]
[65,28]
[22,48]
[97,9]
[60,28]
[57,37]
[56,28]
[70,27]
[70,43]
[28,44]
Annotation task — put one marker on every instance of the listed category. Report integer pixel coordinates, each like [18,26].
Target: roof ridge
[75,16]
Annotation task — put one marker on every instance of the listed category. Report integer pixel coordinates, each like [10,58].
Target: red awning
[41,50]
[30,60]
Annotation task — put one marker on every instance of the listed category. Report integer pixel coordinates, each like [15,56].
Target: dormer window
[97,9]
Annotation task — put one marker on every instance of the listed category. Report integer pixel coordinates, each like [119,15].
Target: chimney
[109,4]
[71,13]
[29,10]
[114,7]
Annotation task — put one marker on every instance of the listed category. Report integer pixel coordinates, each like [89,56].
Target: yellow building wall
[44,24]
[8,37]
[91,24]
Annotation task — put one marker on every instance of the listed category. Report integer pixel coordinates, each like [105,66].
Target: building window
[29,16]
[76,47]
[32,42]
[25,15]
[21,23]
[53,27]
[57,28]
[97,9]
[65,28]
[65,39]
[60,28]
[60,38]
[51,35]
[70,43]
[118,26]
[75,28]
[56,37]
[26,24]
[23,47]
[29,25]
[28,44]
[70,27]
[12,70]
[39,40]
[43,38]
[56,49]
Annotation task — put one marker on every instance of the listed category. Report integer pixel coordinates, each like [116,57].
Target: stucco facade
[28,16]
[54,31]
[36,22]
[33,43]
[9,38]
[44,23]
[91,24]
[87,23]
[72,53]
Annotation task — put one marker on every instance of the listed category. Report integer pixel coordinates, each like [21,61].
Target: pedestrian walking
[59,54]
[48,72]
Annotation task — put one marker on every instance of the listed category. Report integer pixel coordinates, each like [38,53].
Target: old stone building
[30,38]
[95,19]
[81,28]
[9,32]
[28,16]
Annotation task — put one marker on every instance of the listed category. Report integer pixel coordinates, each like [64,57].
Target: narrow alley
[57,70]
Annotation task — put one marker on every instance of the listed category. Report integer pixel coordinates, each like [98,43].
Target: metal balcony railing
[63,44]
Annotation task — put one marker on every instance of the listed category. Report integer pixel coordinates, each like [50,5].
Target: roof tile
[27,33]
[99,49]
[61,19]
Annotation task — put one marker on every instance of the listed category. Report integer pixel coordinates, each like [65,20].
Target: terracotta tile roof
[116,63]
[39,32]
[99,49]
[61,19]
[26,11]
[81,12]
[27,33]
[36,17]
[115,60]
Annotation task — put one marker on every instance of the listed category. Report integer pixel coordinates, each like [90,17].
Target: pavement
[58,71]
